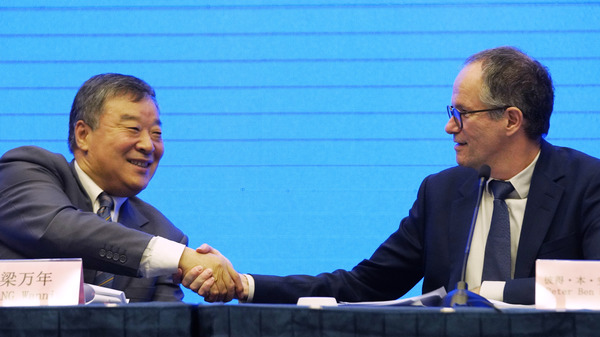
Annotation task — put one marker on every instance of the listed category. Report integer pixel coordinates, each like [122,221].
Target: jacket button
[102,252]
[109,255]
[122,258]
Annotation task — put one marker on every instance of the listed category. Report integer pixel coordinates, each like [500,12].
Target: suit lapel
[460,224]
[81,199]
[542,202]
[130,216]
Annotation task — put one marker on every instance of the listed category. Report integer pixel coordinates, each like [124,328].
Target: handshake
[207,272]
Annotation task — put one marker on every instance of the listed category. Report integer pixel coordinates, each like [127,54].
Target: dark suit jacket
[45,213]
[561,221]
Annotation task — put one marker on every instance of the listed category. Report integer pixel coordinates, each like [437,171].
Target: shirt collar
[522,180]
[93,191]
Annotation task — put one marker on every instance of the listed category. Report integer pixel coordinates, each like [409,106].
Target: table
[248,320]
[252,320]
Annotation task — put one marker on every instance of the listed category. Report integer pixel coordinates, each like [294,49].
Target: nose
[145,143]
[451,127]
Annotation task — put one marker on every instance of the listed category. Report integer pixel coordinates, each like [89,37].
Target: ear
[82,135]
[514,121]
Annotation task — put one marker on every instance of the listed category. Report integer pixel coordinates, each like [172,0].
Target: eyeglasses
[457,115]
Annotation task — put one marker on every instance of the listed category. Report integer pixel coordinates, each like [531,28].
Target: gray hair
[511,78]
[88,104]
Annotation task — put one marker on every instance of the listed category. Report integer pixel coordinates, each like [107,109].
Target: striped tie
[104,279]
[496,265]
[106,206]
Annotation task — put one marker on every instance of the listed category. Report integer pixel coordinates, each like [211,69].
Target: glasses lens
[455,114]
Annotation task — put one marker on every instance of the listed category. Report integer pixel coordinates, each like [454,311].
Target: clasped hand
[207,272]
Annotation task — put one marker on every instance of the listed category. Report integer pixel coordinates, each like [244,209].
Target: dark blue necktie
[104,279]
[496,265]
[106,206]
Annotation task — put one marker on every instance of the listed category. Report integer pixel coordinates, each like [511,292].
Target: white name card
[41,282]
[567,284]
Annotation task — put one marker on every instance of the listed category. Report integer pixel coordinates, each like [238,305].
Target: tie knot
[105,200]
[106,205]
[501,189]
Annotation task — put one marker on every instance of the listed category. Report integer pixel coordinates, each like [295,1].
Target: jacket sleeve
[39,219]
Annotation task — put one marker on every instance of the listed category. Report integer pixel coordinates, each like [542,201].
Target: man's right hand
[221,286]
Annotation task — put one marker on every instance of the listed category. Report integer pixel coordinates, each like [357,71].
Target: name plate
[567,284]
[39,282]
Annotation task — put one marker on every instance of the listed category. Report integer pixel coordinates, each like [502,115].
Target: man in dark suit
[48,206]
[501,106]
